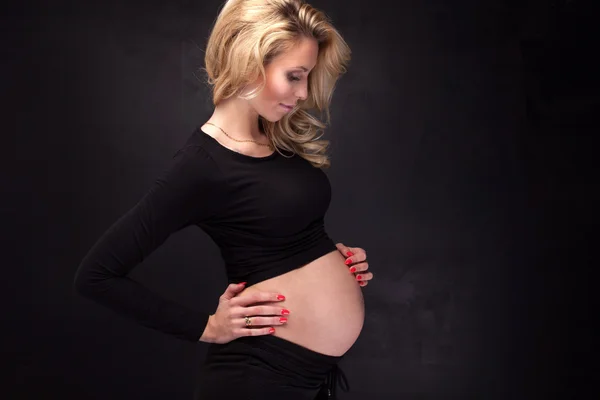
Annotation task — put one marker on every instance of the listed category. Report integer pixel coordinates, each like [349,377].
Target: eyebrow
[302,68]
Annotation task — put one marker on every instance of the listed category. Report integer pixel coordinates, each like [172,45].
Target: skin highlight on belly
[325,302]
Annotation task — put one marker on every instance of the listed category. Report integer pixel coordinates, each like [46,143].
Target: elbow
[88,280]
[82,284]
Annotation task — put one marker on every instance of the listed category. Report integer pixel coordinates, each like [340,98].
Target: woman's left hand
[356,260]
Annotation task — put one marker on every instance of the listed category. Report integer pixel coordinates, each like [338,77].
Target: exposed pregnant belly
[325,302]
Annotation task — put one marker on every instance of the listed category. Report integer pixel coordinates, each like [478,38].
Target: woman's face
[287,80]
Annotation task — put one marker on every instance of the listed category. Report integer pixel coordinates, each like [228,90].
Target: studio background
[459,134]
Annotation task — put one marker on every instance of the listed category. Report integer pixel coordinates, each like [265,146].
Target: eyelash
[293,78]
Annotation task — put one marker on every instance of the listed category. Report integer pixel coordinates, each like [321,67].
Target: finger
[262,321]
[359,256]
[346,251]
[363,283]
[365,276]
[257,297]
[263,310]
[359,267]
[232,290]
[255,331]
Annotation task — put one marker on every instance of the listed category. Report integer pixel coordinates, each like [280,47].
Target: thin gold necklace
[237,140]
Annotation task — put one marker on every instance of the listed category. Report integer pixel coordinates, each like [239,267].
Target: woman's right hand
[228,322]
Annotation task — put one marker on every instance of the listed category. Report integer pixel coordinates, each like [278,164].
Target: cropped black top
[266,214]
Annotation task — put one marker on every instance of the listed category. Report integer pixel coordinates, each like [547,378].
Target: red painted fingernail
[358,277]
[242,283]
[349,254]
[348,262]
[282,320]
[285,311]
[280,297]
[353,269]
[272,330]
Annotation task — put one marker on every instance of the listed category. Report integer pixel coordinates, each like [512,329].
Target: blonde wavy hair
[247,35]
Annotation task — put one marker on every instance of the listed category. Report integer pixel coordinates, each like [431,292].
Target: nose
[302,91]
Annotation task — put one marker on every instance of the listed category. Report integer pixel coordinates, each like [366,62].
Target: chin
[272,118]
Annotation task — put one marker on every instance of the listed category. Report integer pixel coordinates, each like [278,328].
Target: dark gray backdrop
[456,136]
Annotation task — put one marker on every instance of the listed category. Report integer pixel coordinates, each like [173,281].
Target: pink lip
[288,108]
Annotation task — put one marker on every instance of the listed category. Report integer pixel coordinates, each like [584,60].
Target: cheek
[278,90]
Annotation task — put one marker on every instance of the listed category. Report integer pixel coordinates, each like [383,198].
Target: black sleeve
[185,193]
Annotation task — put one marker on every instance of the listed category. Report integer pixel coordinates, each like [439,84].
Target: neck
[238,119]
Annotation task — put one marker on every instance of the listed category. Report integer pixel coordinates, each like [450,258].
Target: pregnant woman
[252,178]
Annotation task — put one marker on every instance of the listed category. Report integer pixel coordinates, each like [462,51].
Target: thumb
[233,289]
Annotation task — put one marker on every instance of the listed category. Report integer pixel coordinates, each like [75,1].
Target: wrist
[208,334]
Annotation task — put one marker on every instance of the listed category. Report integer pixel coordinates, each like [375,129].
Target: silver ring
[248,321]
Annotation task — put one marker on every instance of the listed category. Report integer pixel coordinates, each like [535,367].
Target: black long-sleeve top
[266,214]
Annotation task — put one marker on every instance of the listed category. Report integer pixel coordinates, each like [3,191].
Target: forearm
[132,300]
